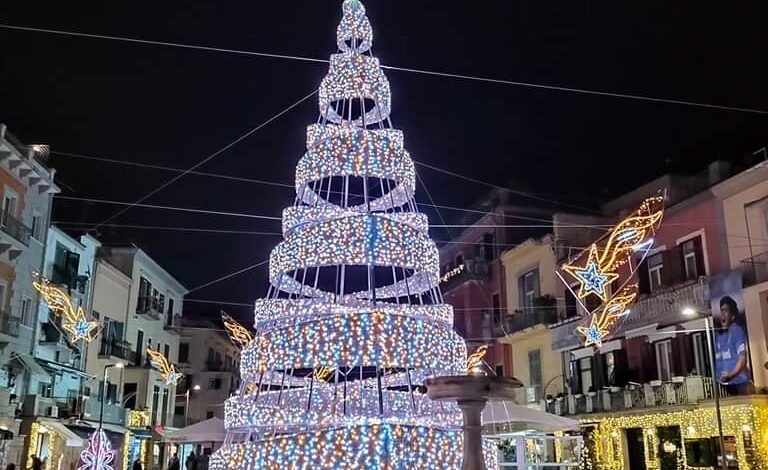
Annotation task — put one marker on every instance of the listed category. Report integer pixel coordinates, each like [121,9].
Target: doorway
[635,449]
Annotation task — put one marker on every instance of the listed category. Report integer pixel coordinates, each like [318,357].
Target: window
[585,373]
[700,354]
[609,359]
[145,292]
[488,253]
[37,226]
[214,383]
[44,389]
[528,288]
[164,416]
[655,265]
[210,355]
[227,362]
[26,312]
[166,351]
[497,313]
[155,401]
[129,394]
[570,303]
[664,359]
[10,201]
[184,352]
[534,367]
[693,258]
[2,296]
[499,370]
[139,347]
[208,414]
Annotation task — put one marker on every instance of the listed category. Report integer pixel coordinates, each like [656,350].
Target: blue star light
[593,335]
[592,280]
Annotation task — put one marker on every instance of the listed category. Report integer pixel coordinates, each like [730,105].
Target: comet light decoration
[78,326]
[475,360]
[238,334]
[609,260]
[354,321]
[167,370]
[98,455]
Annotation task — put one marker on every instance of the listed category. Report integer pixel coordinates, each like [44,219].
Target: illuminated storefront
[689,436]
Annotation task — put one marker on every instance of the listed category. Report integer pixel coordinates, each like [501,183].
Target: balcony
[173,323]
[16,228]
[117,350]
[474,269]
[680,391]
[150,306]
[543,312]
[755,269]
[663,307]
[114,413]
[9,325]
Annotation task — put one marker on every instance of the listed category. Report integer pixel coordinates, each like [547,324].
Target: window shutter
[673,271]
[643,281]
[701,269]
[649,371]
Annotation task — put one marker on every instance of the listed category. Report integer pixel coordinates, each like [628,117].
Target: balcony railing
[151,306]
[117,350]
[9,324]
[526,318]
[663,307]
[15,228]
[173,322]
[474,269]
[113,412]
[679,391]
[755,269]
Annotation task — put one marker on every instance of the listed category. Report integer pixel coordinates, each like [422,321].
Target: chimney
[718,171]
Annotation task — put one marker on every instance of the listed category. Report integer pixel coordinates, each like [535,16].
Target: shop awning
[29,363]
[210,430]
[507,412]
[71,439]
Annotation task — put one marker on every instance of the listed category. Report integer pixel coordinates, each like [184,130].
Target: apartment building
[532,306]
[473,276]
[211,366]
[650,387]
[27,188]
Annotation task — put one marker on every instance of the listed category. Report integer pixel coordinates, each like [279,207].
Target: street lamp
[119,365]
[186,407]
[691,312]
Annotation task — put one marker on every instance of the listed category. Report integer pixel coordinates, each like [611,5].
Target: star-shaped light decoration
[593,335]
[99,453]
[73,319]
[592,279]
[168,371]
[81,329]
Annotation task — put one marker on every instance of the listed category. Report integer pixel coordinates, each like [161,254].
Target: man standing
[731,353]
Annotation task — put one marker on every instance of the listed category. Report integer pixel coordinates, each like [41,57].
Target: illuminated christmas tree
[354,320]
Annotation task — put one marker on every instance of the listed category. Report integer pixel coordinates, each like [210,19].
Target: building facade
[27,189]
[532,305]
[645,398]
[473,276]
[210,363]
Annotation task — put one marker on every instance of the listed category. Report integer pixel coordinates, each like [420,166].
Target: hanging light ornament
[74,320]
[167,370]
[238,334]
[603,266]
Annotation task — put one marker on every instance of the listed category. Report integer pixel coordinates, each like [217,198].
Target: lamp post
[186,406]
[119,365]
[691,312]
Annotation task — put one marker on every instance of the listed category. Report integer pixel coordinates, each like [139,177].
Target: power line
[285,185]
[169,208]
[206,159]
[390,67]
[224,278]
[86,226]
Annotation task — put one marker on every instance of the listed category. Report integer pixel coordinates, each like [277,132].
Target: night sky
[173,107]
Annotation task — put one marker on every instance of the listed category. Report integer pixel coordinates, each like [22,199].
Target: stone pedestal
[471,393]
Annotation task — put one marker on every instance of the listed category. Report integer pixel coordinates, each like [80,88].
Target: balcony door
[10,202]
[139,347]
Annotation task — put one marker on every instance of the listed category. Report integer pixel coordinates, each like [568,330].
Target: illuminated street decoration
[452,273]
[238,334]
[138,418]
[610,259]
[98,455]
[354,321]
[475,360]
[167,370]
[74,320]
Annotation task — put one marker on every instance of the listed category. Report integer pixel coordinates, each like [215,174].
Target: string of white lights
[207,159]
[391,67]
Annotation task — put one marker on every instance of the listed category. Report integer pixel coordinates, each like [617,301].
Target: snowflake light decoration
[99,454]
